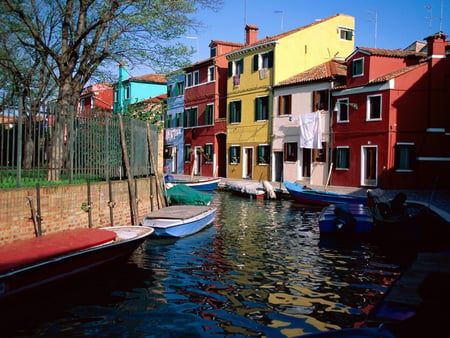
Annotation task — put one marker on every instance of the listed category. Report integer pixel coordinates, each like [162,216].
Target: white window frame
[211,74]
[346,30]
[361,59]
[189,80]
[127,94]
[369,107]
[340,103]
[196,78]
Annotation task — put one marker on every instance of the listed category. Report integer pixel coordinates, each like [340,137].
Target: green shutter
[230,68]
[255,62]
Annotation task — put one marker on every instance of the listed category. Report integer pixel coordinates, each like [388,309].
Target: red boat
[31,263]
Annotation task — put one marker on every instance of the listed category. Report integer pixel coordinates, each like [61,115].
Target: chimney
[251,34]
[436,46]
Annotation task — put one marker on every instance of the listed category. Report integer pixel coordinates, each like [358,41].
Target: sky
[390,24]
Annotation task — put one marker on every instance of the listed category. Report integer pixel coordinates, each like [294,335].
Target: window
[235,154]
[235,112]
[127,92]
[213,52]
[320,100]
[178,120]
[404,156]
[187,152]
[263,154]
[211,76]
[373,108]
[196,78]
[284,105]
[167,121]
[342,158]
[189,80]
[320,155]
[179,88]
[345,34]
[357,67]
[167,152]
[342,110]
[262,108]
[209,114]
[290,152]
[116,95]
[262,61]
[235,67]
[208,152]
[191,117]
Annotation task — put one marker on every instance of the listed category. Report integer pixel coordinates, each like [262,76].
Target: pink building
[391,123]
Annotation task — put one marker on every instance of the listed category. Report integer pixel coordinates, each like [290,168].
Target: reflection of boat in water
[179,220]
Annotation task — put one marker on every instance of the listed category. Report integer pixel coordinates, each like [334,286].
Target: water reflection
[259,270]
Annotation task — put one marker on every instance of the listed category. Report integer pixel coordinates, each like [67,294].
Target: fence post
[19,144]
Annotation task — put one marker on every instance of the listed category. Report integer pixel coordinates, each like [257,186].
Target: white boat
[180,220]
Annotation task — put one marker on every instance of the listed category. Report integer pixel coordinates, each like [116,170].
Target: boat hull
[321,198]
[31,277]
[201,184]
[180,221]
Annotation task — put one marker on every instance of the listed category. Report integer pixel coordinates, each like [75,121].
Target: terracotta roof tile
[324,71]
[156,78]
[399,53]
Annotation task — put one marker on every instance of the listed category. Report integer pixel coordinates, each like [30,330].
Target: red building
[204,122]
[391,123]
[96,98]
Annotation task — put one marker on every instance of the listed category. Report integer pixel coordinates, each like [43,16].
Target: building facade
[254,69]
[391,127]
[301,137]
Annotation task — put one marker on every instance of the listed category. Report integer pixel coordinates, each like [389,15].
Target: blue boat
[180,220]
[310,196]
[202,184]
[346,219]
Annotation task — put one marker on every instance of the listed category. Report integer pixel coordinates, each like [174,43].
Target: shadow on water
[259,270]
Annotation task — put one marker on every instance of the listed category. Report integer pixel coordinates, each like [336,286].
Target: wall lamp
[351,104]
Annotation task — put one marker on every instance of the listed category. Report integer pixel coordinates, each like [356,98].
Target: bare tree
[74,37]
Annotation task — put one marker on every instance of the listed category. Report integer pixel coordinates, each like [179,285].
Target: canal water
[260,269]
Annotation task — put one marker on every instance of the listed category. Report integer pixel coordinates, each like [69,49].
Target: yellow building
[252,72]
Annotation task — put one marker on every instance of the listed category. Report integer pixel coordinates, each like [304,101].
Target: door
[369,159]
[247,167]
[173,169]
[306,163]
[197,160]
[278,168]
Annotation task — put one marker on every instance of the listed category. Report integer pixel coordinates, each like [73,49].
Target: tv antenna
[375,20]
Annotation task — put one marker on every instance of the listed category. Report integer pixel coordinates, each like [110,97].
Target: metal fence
[87,147]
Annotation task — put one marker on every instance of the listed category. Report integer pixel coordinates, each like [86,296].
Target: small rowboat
[317,197]
[31,263]
[180,220]
[204,184]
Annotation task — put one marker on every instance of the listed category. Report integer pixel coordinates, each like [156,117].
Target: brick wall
[64,207]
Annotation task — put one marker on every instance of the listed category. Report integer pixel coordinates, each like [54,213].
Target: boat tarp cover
[183,194]
[27,251]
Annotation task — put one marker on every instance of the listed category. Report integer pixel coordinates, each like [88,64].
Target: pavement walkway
[439,198]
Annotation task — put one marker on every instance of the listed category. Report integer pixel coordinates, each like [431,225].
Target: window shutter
[270,59]
[257,108]
[255,62]
[230,68]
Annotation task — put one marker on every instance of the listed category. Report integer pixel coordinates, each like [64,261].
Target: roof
[396,53]
[274,38]
[324,71]
[396,73]
[155,78]
[226,43]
